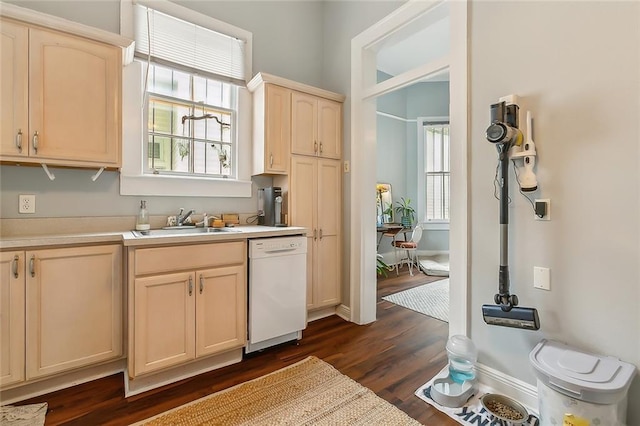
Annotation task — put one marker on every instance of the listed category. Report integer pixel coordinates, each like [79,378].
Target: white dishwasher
[277,291]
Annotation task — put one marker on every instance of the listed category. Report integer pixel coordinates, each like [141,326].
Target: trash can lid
[578,370]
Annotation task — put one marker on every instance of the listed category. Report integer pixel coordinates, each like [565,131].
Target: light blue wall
[397,143]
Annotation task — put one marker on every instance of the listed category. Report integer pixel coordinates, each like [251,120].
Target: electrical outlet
[347,167]
[27,204]
[547,209]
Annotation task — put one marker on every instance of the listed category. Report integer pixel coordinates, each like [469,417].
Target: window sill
[172,186]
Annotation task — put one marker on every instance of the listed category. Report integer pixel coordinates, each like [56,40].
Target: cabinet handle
[201,283]
[32,264]
[320,147]
[320,233]
[190,286]
[19,140]
[315,235]
[14,266]
[270,160]
[34,142]
[315,146]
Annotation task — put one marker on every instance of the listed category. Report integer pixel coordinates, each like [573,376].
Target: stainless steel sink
[180,230]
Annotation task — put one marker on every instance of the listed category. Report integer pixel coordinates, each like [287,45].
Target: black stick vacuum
[504,132]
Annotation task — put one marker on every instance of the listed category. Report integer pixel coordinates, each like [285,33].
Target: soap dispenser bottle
[142,221]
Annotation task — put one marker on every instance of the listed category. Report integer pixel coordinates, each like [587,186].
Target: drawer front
[175,258]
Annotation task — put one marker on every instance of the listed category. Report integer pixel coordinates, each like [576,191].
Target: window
[189,76]
[434,169]
[190,124]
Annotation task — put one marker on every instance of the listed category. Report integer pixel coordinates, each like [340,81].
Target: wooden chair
[410,248]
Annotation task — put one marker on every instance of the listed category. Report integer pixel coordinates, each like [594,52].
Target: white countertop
[127,238]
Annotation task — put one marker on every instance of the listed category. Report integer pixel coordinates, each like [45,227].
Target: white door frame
[364,91]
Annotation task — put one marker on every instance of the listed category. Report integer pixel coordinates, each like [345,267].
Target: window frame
[421,175]
[133,179]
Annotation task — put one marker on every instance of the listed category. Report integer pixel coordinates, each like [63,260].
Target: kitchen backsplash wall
[74,194]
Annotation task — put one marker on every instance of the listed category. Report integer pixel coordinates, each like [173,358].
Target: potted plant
[406,212]
[381,266]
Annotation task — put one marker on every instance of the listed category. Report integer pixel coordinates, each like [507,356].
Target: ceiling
[420,42]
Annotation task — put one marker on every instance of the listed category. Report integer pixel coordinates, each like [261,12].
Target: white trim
[133,180]
[363,141]
[60,24]
[502,383]
[459,210]
[421,199]
[395,117]
[408,78]
[343,312]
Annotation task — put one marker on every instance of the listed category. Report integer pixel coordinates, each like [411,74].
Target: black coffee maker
[270,206]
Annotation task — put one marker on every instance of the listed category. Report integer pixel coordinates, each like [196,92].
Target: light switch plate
[541,278]
[27,204]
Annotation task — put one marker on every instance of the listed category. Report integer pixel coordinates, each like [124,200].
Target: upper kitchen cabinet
[292,118]
[69,113]
[316,126]
[271,128]
[61,91]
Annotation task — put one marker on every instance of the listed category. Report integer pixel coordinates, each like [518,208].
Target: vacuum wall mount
[505,133]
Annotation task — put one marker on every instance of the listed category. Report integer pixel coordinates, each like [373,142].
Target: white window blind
[173,42]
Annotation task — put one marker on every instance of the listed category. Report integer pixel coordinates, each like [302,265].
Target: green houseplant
[406,212]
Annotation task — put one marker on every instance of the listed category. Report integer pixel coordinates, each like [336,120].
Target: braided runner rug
[310,392]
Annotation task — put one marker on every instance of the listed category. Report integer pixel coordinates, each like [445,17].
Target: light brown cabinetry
[12,317]
[316,126]
[272,129]
[63,98]
[72,308]
[315,202]
[312,178]
[188,302]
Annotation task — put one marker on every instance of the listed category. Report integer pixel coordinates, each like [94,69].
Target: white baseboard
[522,392]
[389,257]
[344,312]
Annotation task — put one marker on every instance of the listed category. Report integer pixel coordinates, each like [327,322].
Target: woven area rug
[310,392]
[430,299]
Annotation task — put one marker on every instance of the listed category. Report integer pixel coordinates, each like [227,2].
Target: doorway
[411,18]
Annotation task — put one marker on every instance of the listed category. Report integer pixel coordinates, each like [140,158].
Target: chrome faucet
[180,218]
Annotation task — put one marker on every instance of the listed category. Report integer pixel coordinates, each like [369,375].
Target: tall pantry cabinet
[312,182]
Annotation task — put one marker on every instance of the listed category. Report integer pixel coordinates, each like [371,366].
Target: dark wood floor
[392,356]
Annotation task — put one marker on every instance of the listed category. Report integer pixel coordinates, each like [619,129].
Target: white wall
[343,20]
[577,67]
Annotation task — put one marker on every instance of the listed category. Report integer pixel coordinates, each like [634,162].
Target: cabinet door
[303,208]
[277,129]
[11,317]
[304,124]
[329,246]
[14,131]
[74,308]
[164,330]
[329,129]
[74,99]
[221,315]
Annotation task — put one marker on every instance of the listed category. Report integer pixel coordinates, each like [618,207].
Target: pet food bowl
[504,408]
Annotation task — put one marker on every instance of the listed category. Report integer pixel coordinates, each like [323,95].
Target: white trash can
[580,388]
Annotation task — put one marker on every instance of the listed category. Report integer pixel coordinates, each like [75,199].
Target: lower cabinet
[61,309]
[188,302]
